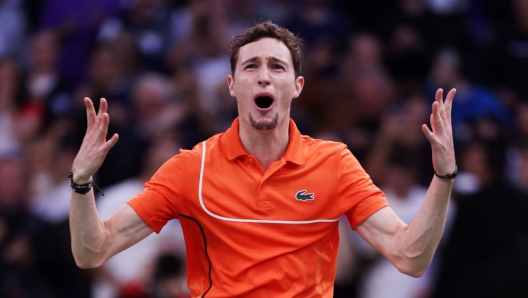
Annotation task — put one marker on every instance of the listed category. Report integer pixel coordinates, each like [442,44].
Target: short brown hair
[268,29]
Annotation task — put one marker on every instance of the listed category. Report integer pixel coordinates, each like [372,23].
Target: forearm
[410,247]
[415,244]
[87,230]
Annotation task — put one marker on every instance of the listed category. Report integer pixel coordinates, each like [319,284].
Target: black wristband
[448,176]
[80,188]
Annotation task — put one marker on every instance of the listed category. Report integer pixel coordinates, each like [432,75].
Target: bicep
[124,229]
[379,229]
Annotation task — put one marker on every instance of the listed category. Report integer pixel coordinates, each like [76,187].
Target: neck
[266,146]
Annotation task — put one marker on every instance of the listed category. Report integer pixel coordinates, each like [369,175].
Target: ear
[231,85]
[299,84]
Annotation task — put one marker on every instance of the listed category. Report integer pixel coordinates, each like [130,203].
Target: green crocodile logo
[301,195]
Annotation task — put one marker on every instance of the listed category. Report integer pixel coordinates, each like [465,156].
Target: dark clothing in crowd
[486,254]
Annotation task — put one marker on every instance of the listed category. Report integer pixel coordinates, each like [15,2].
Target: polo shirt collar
[294,153]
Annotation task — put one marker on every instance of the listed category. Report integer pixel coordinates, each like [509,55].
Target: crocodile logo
[301,195]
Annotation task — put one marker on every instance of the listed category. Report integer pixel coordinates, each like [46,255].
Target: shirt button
[251,160]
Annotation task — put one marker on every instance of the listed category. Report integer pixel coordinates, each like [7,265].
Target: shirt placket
[264,201]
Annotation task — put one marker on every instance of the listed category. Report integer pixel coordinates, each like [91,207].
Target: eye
[250,66]
[277,66]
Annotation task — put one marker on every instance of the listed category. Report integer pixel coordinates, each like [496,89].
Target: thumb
[428,133]
[111,142]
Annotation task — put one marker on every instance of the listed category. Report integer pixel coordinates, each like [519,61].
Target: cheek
[288,91]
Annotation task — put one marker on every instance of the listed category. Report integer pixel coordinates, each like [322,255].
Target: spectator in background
[148,23]
[486,252]
[521,169]
[347,269]
[35,257]
[76,24]
[108,79]
[408,31]
[371,94]
[474,103]
[37,164]
[473,170]
[169,278]
[50,238]
[404,195]
[17,275]
[507,56]
[356,99]
[203,53]
[154,112]
[198,123]
[518,144]
[45,89]
[10,82]
[53,205]
[320,25]
[364,51]
[13,32]
[279,11]
[400,134]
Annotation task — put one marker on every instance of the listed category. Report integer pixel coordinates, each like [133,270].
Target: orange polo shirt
[251,233]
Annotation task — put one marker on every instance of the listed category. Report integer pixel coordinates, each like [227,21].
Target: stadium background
[371,69]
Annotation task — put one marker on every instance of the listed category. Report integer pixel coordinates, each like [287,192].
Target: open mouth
[264,102]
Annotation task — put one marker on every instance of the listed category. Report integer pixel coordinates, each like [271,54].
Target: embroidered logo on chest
[301,195]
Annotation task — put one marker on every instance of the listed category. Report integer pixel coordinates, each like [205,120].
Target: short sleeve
[160,200]
[358,196]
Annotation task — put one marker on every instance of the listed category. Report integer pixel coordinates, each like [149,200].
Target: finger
[428,134]
[438,96]
[436,119]
[90,112]
[103,125]
[103,107]
[111,142]
[448,105]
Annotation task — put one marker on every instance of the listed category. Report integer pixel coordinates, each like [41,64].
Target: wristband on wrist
[82,188]
[448,176]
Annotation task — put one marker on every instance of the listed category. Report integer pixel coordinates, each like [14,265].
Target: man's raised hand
[94,147]
[441,136]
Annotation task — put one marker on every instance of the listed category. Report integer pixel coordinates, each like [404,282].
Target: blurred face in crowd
[474,160]
[400,179]
[11,181]
[149,100]
[105,67]
[265,83]
[9,83]
[43,51]
[521,12]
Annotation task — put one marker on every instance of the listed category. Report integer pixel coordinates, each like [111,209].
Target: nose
[263,79]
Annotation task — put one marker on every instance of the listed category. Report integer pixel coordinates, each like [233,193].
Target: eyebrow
[275,59]
[272,58]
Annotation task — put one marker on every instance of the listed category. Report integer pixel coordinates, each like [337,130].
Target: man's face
[265,83]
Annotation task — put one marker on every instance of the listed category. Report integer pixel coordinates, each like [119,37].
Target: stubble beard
[264,125]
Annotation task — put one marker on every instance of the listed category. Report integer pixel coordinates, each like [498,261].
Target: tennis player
[259,204]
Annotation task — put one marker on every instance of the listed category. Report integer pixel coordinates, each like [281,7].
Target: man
[259,204]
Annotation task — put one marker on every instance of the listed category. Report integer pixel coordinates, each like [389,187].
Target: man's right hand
[94,147]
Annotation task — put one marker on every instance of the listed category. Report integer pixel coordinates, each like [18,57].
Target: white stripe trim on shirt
[246,220]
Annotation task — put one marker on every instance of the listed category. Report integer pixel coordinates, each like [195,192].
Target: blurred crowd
[371,69]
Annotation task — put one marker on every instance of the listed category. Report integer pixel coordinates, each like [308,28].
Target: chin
[264,124]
